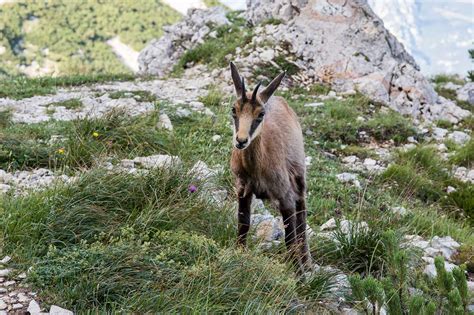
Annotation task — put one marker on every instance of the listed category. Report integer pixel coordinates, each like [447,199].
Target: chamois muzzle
[241,144]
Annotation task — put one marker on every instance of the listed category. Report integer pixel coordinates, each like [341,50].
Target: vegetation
[59,33]
[214,50]
[112,241]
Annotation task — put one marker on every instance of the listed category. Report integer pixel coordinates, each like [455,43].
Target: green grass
[465,155]
[445,78]
[144,243]
[120,242]
[22,87]
[85,141]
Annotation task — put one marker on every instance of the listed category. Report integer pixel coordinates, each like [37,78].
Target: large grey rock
[159,57]
[466,93]
[344,43]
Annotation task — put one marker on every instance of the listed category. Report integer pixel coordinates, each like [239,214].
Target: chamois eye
[260,116]
[233,111]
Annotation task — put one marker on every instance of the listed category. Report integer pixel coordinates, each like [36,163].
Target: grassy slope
[75,33]
[144,243]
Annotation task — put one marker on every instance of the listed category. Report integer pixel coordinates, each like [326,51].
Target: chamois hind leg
[243,215]
[287,210]
[301,213]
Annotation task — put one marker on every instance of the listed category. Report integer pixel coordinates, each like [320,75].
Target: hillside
[116,193]
[70,37]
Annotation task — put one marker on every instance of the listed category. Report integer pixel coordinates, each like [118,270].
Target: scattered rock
[399,210]
[5,260]
[4,272]
[56,310]
[34,308]
[450,189]
[165,122]
[317,104]
[157,161]
[216,138]
[459,137]
[430,269]
[349,178]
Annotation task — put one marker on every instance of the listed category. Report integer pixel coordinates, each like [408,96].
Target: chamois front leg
[288,212]
[303,248]
[243,215]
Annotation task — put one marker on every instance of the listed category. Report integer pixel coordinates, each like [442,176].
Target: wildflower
[95,134]
[61,151]
[192,188]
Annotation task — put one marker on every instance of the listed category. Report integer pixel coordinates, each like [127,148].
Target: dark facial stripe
[254,126]
[236,123]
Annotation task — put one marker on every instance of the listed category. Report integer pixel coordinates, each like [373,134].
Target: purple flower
[192,188]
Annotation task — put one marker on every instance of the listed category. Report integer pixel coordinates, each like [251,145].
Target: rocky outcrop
[344,43]
[339,42]
[159,57]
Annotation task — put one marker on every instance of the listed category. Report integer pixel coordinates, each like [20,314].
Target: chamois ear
[238,81]
[270,89]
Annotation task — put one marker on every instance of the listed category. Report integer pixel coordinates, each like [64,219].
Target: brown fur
[271,166]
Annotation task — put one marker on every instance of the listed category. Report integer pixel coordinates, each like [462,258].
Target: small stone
[157,161]
[3,290]
[4,272]
[216,138]
[459,137]
[442,147]
[450,189]
[430,269]
[56,310]
[351,159]
[329,225]
[3,305]
[5,260]
[196,105]
[22,275]
[439,133]
[267,55]
[399,210]
[127,163]
[22,298]
[9,283]
[346,177]
[412,140]
[317,104]
[165,122]
[4,188]
[34,308]
[17,306]
[308,160]
[183,112]
[370,162]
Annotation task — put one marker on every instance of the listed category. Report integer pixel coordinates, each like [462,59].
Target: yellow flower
[61,151]
[95,134]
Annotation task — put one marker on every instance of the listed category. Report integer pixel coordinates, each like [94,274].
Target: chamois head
[248,111]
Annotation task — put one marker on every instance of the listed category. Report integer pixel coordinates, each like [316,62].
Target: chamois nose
[241,143]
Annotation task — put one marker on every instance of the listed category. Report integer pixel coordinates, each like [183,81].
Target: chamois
[268,161]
